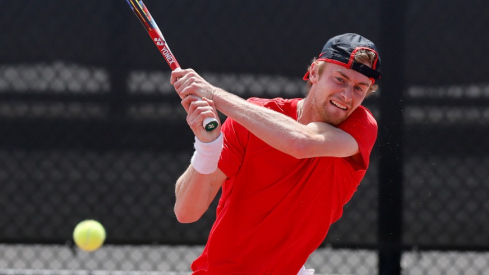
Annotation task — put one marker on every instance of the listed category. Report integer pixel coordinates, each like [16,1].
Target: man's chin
[334,121]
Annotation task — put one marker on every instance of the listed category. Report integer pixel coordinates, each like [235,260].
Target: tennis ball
[89,235]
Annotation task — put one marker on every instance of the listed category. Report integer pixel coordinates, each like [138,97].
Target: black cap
[341,50]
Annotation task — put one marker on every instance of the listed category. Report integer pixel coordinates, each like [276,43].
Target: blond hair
[361,56]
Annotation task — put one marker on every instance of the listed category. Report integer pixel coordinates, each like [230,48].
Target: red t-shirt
[275,210]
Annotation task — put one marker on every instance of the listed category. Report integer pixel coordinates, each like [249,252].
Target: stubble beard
[323,114]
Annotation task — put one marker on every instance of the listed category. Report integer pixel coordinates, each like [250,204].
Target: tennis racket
[154,32]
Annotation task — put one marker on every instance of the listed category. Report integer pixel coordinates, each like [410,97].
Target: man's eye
[339,79]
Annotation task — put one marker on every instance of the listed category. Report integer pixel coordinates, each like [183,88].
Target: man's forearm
[192,193]
[284,133]
[276,129]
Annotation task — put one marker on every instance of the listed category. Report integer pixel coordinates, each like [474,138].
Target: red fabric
[275,210]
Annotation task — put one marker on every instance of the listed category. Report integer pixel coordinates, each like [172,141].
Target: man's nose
[347,93]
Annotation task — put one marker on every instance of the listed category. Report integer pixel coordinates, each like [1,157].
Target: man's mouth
[339,105]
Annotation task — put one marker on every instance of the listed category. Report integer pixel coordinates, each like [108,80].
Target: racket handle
[210,124]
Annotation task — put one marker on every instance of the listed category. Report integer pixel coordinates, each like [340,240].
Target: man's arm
[278,130]
[284,133]
[195,192]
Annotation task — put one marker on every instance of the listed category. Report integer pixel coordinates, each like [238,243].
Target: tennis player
[286,167]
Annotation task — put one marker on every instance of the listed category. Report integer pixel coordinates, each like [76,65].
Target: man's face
[337,92]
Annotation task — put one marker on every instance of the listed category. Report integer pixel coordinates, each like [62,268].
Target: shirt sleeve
[234,147]
[361,125]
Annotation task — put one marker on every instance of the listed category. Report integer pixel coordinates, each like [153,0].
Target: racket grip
[210,124]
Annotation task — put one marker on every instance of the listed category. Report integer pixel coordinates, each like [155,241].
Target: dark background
[91,128]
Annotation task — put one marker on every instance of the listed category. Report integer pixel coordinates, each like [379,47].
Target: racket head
[143,14]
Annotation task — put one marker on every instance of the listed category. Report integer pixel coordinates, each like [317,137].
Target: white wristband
[206,155]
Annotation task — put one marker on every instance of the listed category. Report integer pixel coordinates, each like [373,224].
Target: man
[287,166]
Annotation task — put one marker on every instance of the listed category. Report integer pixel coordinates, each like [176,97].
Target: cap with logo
[341,50]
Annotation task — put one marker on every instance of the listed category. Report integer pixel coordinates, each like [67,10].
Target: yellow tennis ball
[89,235]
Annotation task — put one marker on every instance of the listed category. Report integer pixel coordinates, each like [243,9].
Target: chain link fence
[90,127]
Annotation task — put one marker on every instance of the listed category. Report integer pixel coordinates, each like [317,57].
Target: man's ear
[313,73]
